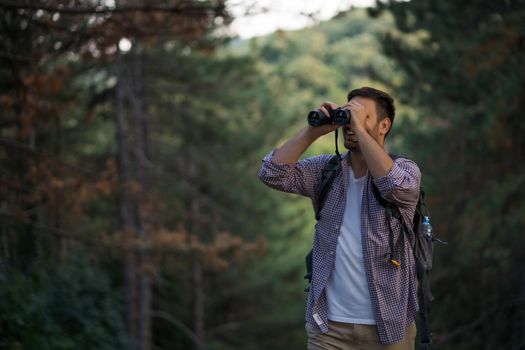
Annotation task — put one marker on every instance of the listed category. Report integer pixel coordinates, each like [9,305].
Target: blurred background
[131,134]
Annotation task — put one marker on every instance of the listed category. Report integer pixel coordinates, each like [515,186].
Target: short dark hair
[384,102]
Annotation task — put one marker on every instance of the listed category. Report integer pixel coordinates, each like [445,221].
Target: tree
[53,35]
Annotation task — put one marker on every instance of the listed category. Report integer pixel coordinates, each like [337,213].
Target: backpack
[423,245]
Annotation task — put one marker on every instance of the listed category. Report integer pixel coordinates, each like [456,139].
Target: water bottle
[426,227]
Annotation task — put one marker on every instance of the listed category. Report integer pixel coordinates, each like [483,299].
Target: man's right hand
[295,147]
[318,131]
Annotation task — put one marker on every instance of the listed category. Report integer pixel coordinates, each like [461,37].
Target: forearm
[291,151]
[377,159]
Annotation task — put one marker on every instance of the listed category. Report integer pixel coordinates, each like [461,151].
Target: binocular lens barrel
[342,116]
[317,118]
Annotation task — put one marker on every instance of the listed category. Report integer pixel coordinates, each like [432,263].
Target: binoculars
[339,116]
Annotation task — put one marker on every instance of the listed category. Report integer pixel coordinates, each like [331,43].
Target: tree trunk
[126,205]
[198,303]
[196,227]
[144,219]
[62,242]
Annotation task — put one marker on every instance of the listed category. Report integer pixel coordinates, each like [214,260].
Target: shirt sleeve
[401,185]
[301,177]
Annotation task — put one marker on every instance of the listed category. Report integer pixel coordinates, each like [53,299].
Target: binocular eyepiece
[339,116]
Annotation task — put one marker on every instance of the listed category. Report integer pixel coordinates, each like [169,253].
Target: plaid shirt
[393,290]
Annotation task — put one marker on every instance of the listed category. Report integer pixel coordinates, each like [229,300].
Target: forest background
[131,213]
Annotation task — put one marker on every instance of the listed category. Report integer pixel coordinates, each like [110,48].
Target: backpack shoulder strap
[383,202]
[328,174]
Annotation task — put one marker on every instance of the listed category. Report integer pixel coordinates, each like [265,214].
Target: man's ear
[384,126]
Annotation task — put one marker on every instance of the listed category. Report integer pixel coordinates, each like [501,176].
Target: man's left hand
[359,114]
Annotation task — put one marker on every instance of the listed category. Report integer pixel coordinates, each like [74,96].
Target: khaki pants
[348,336]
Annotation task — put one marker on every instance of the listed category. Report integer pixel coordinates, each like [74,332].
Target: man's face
[372,125]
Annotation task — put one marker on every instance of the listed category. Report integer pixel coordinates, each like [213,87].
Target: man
[358,298]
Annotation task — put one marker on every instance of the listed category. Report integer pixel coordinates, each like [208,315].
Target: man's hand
[359,115]
[377,160]
[295,147]
[318,131]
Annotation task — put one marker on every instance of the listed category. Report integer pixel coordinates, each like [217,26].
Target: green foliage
[70,307]
[324,63]
[210,141]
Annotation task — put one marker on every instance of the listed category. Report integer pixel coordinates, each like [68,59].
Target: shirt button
[326,278]
[337,227]
[331,252]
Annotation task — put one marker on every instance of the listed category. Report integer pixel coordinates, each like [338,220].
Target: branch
[83,10]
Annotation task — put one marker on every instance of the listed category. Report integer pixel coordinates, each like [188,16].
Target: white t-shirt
[347,293]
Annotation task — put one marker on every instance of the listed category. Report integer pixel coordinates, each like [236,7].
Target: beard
[351,142]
